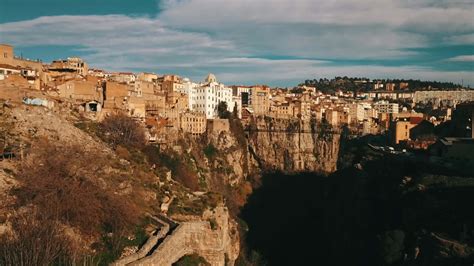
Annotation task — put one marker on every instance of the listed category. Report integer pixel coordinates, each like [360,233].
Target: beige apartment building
[80,90]
[260,100]
[193,123]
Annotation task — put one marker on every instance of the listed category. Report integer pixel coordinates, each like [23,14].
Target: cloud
[462,58]
[261,41]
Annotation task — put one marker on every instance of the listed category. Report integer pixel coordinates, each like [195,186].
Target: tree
[119,129]
[222,111]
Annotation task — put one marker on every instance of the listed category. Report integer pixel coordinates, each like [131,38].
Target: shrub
[35,241]
[58,180]
[210,151]
[222,111]
[180,169]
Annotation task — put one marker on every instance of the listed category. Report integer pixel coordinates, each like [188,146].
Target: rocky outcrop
[293,145]
[213,236]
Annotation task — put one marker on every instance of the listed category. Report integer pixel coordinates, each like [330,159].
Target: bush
[210,151]
[36,241]
[222,111]
[180,169]
[120,129]
[59,181]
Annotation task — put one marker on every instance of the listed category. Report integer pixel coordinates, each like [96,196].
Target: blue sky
[276,42]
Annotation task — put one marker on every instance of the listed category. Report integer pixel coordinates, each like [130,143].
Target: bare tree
[120,129]
[34,241]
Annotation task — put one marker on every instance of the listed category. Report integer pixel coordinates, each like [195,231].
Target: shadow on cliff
[357,217]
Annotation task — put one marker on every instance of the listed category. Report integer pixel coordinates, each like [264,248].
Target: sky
[274,42]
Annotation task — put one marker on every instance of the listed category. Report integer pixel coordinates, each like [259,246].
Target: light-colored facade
[260,100]
[193,123]
[75,64]
[207,96]
[385,107]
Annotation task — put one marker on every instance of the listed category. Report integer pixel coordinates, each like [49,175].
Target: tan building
[6,70]
[284,110]
[122,77]
[7,56]
[150,77]
[401,127]
[193,123]
[71,64]
[115,95]
[80,90]
[136,107]
[390,86]
[403,86]
[260,100]
[171,84]
[144,88]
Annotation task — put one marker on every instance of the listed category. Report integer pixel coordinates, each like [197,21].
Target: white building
[205,97]
[385,107]
[358,111]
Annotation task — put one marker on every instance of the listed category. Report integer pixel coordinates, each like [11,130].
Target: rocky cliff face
[267,144]
[293,145]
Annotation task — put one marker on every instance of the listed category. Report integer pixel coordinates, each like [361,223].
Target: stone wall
[216,244]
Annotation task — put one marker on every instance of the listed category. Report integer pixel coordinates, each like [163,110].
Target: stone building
[193,123]
[260,100]
[71,64]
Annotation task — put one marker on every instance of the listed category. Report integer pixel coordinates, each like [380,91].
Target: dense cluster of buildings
[169,103]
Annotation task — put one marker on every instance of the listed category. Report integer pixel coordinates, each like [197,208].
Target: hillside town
[434,119]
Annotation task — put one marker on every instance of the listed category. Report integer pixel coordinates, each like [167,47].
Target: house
[71,64]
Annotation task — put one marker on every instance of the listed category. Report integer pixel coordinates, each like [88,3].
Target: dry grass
[60,180]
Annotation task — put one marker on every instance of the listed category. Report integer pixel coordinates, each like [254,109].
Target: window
[5,55]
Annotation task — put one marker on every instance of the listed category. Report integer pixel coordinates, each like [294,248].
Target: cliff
[293,145]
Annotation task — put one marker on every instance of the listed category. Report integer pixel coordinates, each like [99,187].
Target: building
[6,70]
[401,128]
[260,100]
[385,107]
[403,86]
[122,77]
[390,86]
[150,77]
[81,91]
[451,97]
[377,85]
[207,96]
[171,83]
[193,123]
[71,64]
[7,57]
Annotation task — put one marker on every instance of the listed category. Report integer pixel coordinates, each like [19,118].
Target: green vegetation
[222,111]
[360,84]
[210,151]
